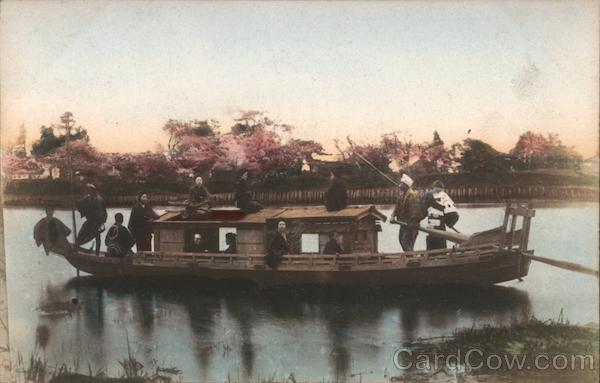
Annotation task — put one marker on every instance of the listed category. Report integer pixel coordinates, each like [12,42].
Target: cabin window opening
[309,243]
[224,233]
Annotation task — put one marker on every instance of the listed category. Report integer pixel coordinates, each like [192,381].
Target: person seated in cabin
[336,197]
[278,247]
[231,242]
[198,205]
[441,212]
[409,211]
[333,245]
[243,198]
[198,245]
[92,207]
[51,232]
[119,239]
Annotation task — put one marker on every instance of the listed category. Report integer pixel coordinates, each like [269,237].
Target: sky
[331,69]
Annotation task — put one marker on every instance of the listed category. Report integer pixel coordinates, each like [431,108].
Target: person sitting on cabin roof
[278,247]
[93,209]
[441,212]
[119,239]
[336,197]
[231,242]
[333,245]
[408,211]
[199,202]
[243,198]
[51,232]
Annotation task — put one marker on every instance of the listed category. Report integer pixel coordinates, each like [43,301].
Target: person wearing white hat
[407,211]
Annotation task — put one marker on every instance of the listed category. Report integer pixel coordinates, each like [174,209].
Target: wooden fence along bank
[357,196]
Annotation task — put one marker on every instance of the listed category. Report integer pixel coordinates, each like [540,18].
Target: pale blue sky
[331,69]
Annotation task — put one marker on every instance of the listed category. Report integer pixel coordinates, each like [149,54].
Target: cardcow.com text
[477,359]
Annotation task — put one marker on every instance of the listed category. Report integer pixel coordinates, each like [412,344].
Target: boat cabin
[307,229]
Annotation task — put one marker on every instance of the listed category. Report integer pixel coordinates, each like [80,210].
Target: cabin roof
[356,212]
[352,212]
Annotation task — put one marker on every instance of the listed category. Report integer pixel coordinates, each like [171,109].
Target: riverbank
[467,194]
[528,351]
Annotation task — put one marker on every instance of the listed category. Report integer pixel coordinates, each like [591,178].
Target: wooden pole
[67,123]
[564,265]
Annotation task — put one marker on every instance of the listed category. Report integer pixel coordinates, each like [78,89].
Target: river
[239,335]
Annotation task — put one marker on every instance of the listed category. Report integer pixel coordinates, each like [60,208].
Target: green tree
[479,156]
[52,137]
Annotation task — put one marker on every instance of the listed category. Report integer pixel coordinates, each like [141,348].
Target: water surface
[216,334]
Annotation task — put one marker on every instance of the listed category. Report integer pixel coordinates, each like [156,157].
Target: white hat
[405,179]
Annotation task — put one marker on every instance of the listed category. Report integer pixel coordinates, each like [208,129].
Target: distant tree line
[264,145]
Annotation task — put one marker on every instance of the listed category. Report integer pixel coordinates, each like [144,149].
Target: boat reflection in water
[217,332]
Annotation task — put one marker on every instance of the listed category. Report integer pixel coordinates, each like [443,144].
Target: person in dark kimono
[231,241]
[336,197]
[441,212]
[51,233]
[141,216]
[199,202]
[198,245]
[278,247]
[409,211]
[119,239]
[243,198]
[93,209]
[333,245]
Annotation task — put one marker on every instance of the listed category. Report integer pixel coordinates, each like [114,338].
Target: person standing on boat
[119,239]
[336,197]
[199,201]
[408,211]
[278,247]
[441,212]
[93,209]
[140,220]
[243,198]
[333,245]
[51,232]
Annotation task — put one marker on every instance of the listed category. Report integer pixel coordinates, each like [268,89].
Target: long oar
[564,265]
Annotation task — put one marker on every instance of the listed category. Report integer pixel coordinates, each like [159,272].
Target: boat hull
[497,267]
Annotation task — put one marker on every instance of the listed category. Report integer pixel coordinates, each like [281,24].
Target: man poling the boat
[407,210]
[92,207]
[441,212]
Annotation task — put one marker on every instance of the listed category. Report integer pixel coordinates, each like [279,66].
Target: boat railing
[309,260]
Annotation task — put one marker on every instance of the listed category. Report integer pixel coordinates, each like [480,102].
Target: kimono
[140,227]
[52,234]
[198,203]
[408,210]
[279,246]
[441,212]
[336,197]
[118,241]
[332,247]
[243,198]
[94,211]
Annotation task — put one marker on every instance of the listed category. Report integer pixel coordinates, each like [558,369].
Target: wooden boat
[489,257]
